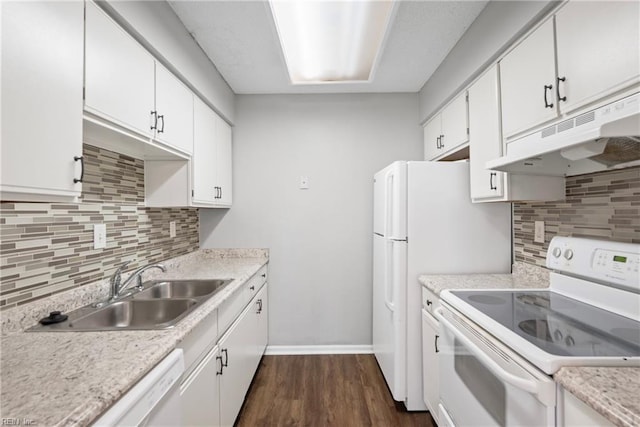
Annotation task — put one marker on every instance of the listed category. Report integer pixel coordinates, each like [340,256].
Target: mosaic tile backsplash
[48,247]
[599,205]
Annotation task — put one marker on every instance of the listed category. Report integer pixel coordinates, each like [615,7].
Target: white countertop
[70,378]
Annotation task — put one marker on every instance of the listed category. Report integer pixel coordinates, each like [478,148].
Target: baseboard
[318,349]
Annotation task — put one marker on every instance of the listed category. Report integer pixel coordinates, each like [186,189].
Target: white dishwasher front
[153,401]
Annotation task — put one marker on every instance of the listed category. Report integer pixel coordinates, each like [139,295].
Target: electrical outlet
[538,235]
[99,236]
[172,229]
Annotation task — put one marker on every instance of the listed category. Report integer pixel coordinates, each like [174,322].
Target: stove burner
[487,299]
[537,328]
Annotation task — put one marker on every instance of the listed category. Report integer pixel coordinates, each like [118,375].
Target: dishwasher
[153,401]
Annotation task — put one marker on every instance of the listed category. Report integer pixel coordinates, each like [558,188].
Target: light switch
[538,235]
[304,182]
[172,229]
[99,236]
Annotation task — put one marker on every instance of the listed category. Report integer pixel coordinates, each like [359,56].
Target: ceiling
[241,40]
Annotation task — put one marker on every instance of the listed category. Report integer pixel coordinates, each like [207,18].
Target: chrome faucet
[116,280]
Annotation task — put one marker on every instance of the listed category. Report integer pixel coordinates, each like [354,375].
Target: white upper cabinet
[126,86]
[485,143]
[595,47]
[173,111]
[598,50]
[42,63]
[528,79]
[447,131]
[485,137]
[119,74]
[223,162]
[204,154]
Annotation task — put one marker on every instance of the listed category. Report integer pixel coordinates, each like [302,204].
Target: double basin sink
[159,305]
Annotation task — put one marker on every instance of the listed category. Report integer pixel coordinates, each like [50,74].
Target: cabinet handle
[441,139]
[429,302]
[259,302]
[546,102]
[435,343]
[75,159]
[154,120]
[491,185]
[160,130]
[226,357]
[264,275]
[438,143]
[560,98]
[252,287]
[219,359]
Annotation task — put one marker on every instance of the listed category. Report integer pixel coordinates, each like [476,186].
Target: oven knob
[556,252]
[569,341]
[557,335]
[568,254]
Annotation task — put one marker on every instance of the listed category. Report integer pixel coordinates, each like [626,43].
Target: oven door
[483,383]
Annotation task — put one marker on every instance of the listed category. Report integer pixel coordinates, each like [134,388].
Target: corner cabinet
[42,66]
[595,48]
[447,132]
[485,143]
[202,181]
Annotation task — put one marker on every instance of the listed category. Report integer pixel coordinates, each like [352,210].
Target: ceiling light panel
[326,41]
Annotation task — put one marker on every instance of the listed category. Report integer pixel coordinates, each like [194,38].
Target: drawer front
[196,344]
[429,300]
[232,307]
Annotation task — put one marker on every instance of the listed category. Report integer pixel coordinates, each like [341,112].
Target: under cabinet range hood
[604,138]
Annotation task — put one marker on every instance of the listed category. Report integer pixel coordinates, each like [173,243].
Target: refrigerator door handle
[389,204]
[388,282]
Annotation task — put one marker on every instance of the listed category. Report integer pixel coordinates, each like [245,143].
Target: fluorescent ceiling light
[327,41]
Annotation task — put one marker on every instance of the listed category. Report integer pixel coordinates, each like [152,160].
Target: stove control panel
[601,260]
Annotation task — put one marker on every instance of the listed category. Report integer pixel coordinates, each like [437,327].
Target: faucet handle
[116,277]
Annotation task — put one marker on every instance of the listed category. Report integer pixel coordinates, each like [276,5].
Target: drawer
[429,300]
[233,306]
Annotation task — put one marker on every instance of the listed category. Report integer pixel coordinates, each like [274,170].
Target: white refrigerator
[424,223]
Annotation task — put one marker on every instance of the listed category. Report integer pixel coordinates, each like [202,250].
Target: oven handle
[544,391]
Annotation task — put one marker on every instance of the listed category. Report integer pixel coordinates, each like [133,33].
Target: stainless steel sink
[181,288]
[159,305]
[135,314]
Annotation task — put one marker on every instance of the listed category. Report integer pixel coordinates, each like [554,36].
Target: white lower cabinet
[576,413]
[200,394]
[213,392]
[430,375]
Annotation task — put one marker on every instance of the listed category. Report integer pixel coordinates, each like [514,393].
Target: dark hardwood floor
[326,390]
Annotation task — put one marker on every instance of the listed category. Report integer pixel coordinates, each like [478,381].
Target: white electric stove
[501,346]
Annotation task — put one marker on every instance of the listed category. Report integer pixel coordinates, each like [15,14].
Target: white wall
[164,34]
[319,239]
[497,26]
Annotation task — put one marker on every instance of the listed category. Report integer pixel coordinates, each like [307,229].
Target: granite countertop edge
[28,377]
[598,387]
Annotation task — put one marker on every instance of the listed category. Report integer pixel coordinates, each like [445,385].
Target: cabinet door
[199,393]
[598,49]
[527,80]
[223,158]
[432,138]
[204,153]
[454,124]
[238,352]
[119,74]
[485,138]
[174,106]
[42,62]
[430,374]
[262,312]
